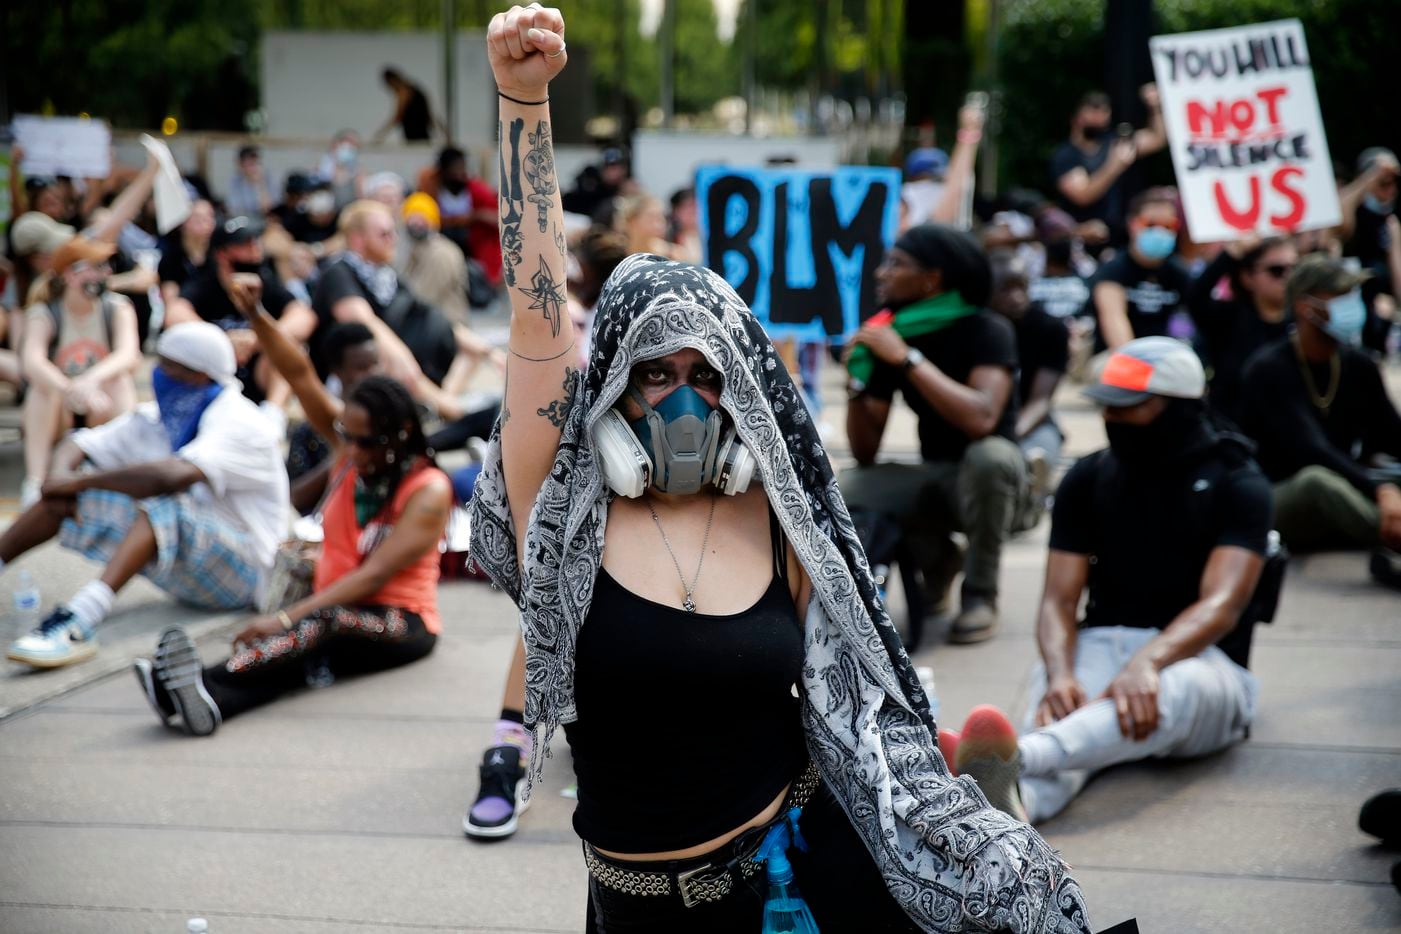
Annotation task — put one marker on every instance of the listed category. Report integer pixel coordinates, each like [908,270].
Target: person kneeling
[374,602]
[1167,529]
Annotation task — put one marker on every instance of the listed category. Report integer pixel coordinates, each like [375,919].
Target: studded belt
[709,881]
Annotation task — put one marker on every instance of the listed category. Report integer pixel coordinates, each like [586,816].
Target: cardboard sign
[800,246]
[1245,131]
[72,146]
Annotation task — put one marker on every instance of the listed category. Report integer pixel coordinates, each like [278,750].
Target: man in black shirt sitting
[1167,530]
[1316,406]
[236,246]
[954,363]
[1043,353]
[1136,293]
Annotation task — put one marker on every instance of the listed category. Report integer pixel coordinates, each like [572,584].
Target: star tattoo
[546,296]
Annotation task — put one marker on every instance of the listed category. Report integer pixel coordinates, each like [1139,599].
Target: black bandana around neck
[953,862]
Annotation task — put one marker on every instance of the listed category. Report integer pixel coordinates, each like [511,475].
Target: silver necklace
[689,605]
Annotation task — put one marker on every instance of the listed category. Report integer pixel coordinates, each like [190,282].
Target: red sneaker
[987,752]
[948,745]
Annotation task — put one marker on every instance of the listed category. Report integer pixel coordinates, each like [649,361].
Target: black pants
[339,640]
[454,435]
[836,876]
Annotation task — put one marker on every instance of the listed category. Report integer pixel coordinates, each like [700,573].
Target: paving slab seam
[1314,747]
[275,718]
[539,837]
[1230,876]
[253,766]
[266,916]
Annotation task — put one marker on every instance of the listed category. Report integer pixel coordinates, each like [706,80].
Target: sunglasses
[364,442]
[1277,270]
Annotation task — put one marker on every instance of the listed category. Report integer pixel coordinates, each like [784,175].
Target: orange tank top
[415,588]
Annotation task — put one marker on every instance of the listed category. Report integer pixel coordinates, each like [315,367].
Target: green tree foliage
[131,61]
[1052,51]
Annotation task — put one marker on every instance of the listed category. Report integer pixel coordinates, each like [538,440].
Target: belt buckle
[685,881]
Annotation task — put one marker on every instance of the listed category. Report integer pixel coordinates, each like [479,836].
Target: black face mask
[248,267]
[1094,132]
[95,288]
[454,185]
[1162,442]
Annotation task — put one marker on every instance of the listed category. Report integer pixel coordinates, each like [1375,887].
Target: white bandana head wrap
[953,862]
[201,346]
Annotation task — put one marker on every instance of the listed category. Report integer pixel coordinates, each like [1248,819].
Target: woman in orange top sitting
[374,602]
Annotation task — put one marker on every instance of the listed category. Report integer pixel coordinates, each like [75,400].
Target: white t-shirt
[921,197]
[236,448]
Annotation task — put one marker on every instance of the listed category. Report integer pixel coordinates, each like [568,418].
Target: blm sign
[800,246]
[1245,131]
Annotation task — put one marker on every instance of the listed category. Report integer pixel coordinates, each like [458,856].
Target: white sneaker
[60,640]
[29,492]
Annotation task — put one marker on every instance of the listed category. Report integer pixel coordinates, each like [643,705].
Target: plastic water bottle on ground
[27,603]
[785,912]
[197,926]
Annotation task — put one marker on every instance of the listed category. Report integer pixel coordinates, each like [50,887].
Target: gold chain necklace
[689,605]
[1335,371]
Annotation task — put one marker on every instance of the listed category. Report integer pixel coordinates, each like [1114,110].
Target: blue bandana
[181,405]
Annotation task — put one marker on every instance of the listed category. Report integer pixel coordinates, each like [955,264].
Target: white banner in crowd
[173,203]
[73,146]
[1245,130]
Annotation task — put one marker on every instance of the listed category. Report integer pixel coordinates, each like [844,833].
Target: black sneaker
[156,694]
[1386,568]
[493,815]
[1381,817]
[177,665]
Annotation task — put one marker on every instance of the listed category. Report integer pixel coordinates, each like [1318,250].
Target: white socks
[91,604]
[1042,753]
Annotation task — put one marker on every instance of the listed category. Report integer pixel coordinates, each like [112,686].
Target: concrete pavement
[339,809]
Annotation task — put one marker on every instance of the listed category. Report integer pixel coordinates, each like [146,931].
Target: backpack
[1235,455]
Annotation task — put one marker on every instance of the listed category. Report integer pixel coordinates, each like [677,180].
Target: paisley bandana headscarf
[953,862]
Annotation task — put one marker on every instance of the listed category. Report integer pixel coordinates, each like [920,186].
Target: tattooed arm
[526,49]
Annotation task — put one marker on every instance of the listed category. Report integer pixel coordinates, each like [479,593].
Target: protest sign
[73,146]
[800,246]
[1245,130]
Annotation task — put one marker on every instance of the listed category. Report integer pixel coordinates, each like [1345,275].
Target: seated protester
[188,491]
[236,243]
[1060,290]
[416,342]
[436,270]
[1367,203]
[1136,293]
[351,355]
[1317,407]
[1167,531]
[1043,352]
[373,604]
[79,355]
[184,251]
[953,363]
[923,188]
[1237,305]
[467,207]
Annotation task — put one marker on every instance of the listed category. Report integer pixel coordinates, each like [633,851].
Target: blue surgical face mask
[1155,242]
[1346,316]
[1377,205]
[681,434]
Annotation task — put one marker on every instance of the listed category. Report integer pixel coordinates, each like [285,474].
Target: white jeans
[1205,704]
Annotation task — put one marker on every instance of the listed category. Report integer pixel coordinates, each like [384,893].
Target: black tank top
[415,120]
[688,725]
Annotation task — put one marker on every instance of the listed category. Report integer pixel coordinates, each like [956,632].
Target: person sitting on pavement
[1136,293]
[237,242]
[466,208]
[1043,353]
[80,353]
[351,355]
[250,193]
[1317,407]
[587,538]
[923,188]
[189,492]
[436,270]
[954,366]
[1252,313]
[374,603]
[1166,530]
[185,251]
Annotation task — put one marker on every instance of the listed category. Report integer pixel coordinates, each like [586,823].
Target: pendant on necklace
[689,605]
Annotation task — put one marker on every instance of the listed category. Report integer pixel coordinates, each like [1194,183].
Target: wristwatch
[913,358]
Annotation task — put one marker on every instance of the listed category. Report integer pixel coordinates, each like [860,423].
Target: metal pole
[751,77]
[620,88]
[450,67]
[668,52]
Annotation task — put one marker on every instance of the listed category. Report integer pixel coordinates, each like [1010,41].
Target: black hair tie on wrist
[517,100]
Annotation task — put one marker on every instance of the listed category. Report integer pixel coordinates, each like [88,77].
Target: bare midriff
[700,849]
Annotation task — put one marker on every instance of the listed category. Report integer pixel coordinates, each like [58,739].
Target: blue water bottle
[785,912]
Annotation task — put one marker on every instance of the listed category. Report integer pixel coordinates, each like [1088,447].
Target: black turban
[954,253]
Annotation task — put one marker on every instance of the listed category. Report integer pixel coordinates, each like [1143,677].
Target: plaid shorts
[200,556]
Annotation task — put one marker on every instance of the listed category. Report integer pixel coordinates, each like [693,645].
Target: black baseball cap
[234,231]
